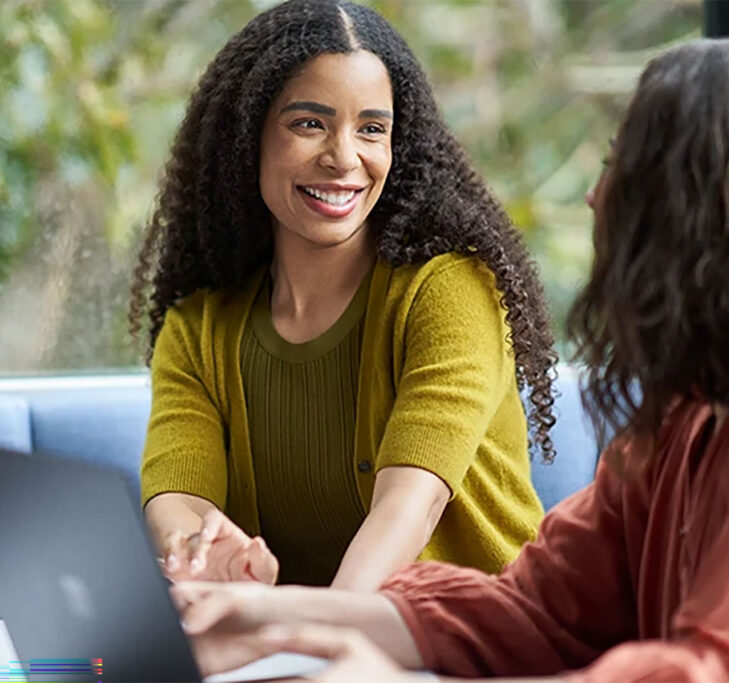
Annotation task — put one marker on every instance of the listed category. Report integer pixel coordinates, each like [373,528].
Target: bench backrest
[103,419]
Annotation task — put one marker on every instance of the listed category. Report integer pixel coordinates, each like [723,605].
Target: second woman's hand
[353,657]
[222,620]
[211,606]
[232,625]
[220,551]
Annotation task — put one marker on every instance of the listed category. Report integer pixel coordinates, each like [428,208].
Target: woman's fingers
[174,551]
[354,658]
[216,652]
[216,526]
[181,560]
[263,565]
[204,605]
[218,530]
[204,612]
[198,553]
[180,598]
[315,640]
[219,551]
[186,593]
[212,523]
[189,554]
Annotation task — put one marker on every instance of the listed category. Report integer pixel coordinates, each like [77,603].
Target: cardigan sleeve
[185,445]
[566,599]
[457,362]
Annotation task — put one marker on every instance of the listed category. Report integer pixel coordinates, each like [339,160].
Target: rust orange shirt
[627,581]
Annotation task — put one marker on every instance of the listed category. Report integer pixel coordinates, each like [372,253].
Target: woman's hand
[230,625]
[220,551]
[224,624]
[222,607]
[354,658]
[221,620]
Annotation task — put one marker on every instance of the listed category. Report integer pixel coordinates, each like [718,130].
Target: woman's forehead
[357,76]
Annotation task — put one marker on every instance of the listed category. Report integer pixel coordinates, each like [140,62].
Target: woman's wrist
[296,604]
[371,613]
[172,512]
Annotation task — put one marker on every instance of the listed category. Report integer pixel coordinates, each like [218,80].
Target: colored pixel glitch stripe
[53,670]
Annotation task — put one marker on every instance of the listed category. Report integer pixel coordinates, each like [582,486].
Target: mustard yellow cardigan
[437,390]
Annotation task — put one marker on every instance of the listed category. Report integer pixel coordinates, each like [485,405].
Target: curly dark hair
[211,226]
[652,324]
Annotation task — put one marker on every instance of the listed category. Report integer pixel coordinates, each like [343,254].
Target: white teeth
[335,198]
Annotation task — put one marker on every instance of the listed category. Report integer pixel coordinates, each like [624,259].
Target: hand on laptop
[231,625]
[230,607]
[220,551]
[221,620]
[224,638]
[355,659]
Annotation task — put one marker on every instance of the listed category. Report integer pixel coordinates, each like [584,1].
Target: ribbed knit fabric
[301,401]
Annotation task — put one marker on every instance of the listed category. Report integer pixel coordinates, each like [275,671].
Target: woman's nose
[590,197]
[341,155]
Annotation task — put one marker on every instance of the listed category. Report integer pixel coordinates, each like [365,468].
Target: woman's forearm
[371,613]
[393,534]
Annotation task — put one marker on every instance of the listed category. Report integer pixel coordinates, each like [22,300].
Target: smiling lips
[332,201]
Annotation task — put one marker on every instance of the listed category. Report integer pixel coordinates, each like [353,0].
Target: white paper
[281,665]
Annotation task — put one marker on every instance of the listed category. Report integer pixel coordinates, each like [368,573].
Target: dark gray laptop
[78,578]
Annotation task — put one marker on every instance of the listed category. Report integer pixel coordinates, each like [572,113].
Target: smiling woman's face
[326,148]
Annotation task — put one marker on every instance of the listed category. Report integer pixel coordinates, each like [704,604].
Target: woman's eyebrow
[314,107]
[375,114]
[323,109]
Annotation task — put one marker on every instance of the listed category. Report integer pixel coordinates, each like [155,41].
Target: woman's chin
[329,236]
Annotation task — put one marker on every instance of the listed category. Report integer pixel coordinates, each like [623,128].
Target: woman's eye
[373,129]
[308,124]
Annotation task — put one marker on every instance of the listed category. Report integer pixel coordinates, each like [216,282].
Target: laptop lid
[78,578]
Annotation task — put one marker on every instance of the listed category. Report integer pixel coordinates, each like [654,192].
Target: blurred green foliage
[91,92]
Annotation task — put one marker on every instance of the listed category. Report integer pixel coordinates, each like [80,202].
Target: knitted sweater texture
[437,390]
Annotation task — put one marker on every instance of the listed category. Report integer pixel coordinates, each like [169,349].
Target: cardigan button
[364,466]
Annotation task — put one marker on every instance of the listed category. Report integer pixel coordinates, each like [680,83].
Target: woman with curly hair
[629,578]
[341,319]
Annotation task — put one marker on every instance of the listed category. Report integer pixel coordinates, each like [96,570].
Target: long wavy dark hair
[211,226]
[652,324]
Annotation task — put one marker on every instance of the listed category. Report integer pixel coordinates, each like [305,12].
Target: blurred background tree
[91,92]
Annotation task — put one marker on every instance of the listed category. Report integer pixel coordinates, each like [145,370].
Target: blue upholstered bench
[102,419]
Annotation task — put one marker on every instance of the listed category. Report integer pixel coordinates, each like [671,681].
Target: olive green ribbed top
[301,401]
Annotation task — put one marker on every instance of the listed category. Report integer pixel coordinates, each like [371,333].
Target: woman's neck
[313,285]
